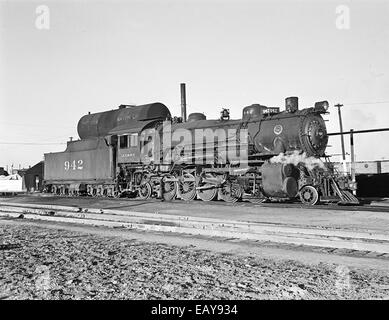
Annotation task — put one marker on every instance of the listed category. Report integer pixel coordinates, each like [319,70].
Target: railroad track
[329,206]
[331,239]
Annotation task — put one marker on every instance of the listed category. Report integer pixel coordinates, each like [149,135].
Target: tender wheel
[230,192]
[94,192]
[309,195]
[169,189]
[100,191]
[187,187]
[145,191]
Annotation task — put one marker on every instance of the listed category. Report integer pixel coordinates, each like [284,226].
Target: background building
[33,178]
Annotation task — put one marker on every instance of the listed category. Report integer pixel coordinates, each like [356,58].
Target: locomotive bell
[225,114]
[292,104]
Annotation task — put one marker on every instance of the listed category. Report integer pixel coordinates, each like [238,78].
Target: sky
[96,55]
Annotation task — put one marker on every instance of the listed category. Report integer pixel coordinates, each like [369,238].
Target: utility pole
[352,158]
[183,102]
[341,130]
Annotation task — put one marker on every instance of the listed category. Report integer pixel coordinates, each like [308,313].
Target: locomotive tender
[141,151]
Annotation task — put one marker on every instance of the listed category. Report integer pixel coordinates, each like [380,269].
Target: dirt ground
[43,263]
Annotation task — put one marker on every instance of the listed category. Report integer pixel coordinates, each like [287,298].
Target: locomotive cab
[128,149]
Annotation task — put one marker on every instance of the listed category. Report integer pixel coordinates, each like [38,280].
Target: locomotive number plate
[74,165]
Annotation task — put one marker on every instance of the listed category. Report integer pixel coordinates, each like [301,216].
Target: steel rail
[361,240]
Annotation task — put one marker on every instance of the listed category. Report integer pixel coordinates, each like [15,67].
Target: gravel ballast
[41,263]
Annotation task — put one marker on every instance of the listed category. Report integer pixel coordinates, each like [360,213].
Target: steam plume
[299,158]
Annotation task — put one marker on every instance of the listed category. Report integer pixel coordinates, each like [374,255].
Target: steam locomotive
[141,151]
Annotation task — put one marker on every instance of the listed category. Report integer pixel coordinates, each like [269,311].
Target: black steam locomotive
[141,151]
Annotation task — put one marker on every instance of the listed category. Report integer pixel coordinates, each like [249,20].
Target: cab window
[148,144]
[123,142]
[134,140]
[147,140]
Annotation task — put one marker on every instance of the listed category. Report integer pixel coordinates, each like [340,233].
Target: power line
[34,143]
[36,125]
[374,102]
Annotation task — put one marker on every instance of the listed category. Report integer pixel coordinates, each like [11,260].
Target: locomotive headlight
[322,106]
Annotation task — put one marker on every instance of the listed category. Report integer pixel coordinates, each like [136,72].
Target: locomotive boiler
[141,151]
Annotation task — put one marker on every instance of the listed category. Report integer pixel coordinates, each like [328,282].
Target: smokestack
[183,102]
[292,104]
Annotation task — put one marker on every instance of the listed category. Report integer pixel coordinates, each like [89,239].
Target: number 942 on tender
[74,165]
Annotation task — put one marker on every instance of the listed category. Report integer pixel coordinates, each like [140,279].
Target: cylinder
[275,183]
[288,169]
[290,187]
